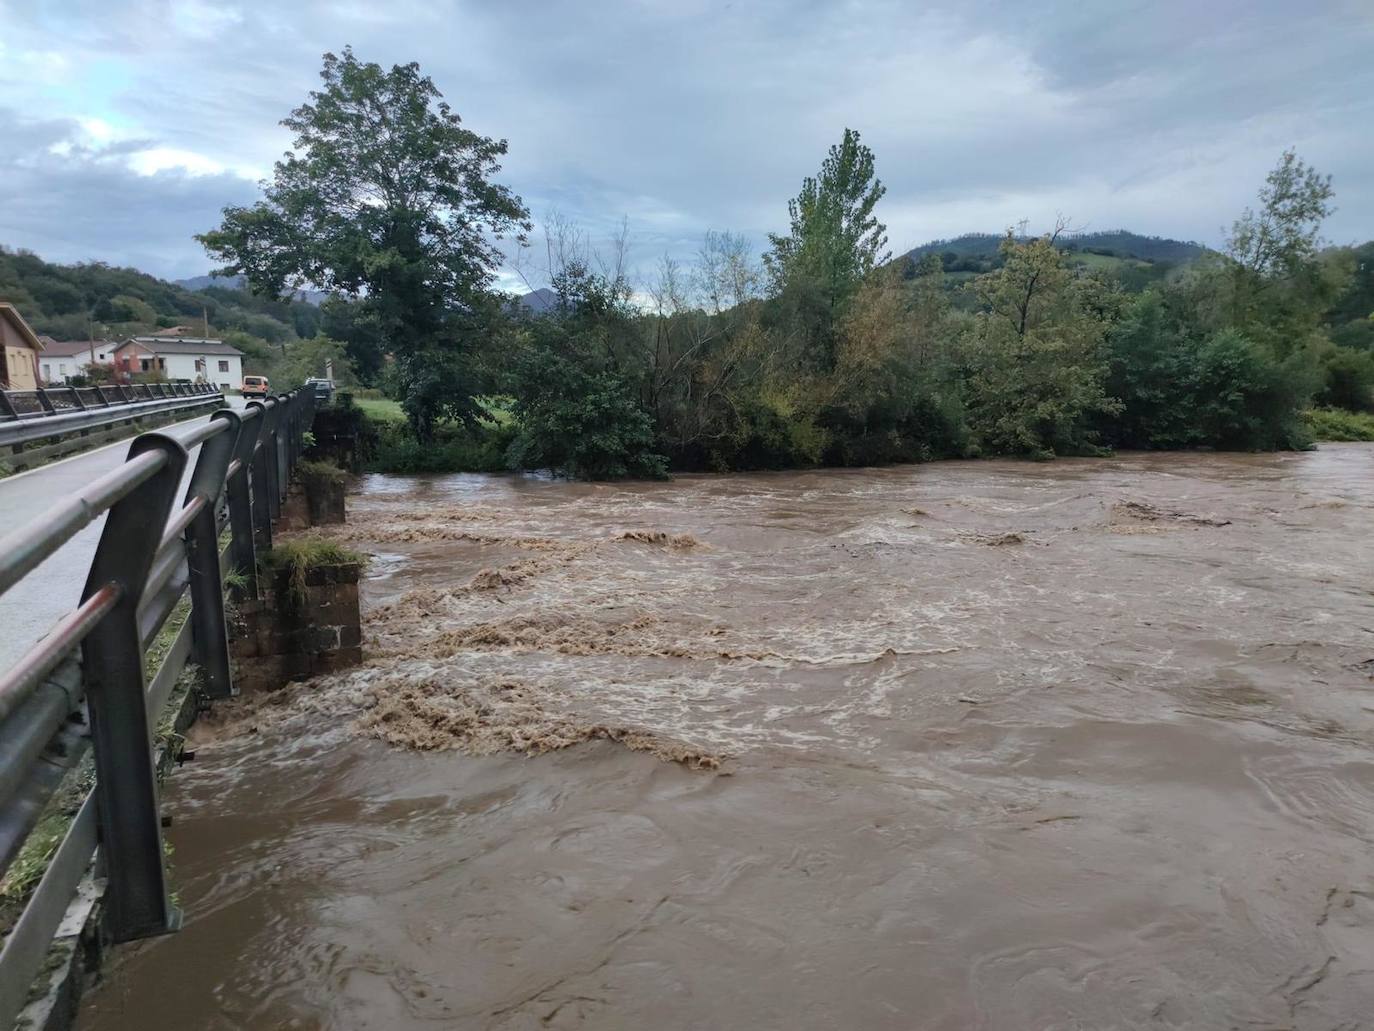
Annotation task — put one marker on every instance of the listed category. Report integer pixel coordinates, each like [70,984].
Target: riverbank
[457,450]
[998,744]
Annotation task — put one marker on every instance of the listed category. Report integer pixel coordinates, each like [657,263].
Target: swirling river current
[1082,744]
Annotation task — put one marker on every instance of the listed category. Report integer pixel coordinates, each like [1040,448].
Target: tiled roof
[183,345]
[76,348]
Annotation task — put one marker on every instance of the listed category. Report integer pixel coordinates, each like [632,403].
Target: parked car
[254,386]
[324,388]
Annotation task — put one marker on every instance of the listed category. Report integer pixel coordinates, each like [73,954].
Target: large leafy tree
[834,242]
[1035,355]
[1151,368]
[1284,234]
[386,198]
[1278,284]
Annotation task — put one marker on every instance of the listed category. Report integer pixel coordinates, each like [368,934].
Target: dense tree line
[825,352]
[829,355]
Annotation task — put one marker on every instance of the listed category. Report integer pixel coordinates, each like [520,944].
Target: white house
[197,360]
[60,360]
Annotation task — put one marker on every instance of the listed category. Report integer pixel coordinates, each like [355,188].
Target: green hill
[1136,260]
[1115,243]
[76,302]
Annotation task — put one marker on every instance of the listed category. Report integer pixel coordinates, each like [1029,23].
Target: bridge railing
[86,685]
[26,406]
[51,417]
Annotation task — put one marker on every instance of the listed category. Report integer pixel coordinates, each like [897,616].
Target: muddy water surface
[969,745]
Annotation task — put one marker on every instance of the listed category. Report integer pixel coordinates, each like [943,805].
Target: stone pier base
[313,500]
[294,635]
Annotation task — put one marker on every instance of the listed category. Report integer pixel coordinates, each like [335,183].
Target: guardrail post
[307,417]
[263,477]
[112,661]
[293,441]
[243,555]
[302,421]
[280,451]
[209,635]
[276,426]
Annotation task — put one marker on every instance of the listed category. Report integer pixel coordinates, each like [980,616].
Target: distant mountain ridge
[204,282]
[539,301]
[212,281]
[1117,243]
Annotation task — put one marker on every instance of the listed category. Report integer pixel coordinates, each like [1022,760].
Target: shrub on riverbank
[315,474]
[1338,424]
[454,449]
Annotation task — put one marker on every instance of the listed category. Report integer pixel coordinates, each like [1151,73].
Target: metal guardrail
[20,404]
[85,686]
[29,415]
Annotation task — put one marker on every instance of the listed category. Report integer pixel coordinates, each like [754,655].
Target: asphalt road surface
[31,607]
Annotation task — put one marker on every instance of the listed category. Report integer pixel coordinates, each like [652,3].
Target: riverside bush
[1337,424]
[454,449]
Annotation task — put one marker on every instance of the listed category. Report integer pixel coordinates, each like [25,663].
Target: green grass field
[385,410]
[381,409]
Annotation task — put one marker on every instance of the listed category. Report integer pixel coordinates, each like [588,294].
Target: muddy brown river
[1087,744]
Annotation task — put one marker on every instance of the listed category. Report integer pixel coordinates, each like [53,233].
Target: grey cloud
[1162,116]
[86,205]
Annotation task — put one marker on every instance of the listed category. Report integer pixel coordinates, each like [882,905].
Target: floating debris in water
[1145,512]
[670,540]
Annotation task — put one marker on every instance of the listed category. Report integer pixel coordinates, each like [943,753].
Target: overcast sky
[126,126]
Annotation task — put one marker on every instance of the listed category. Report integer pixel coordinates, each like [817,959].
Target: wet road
[967,745]
[29,610]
